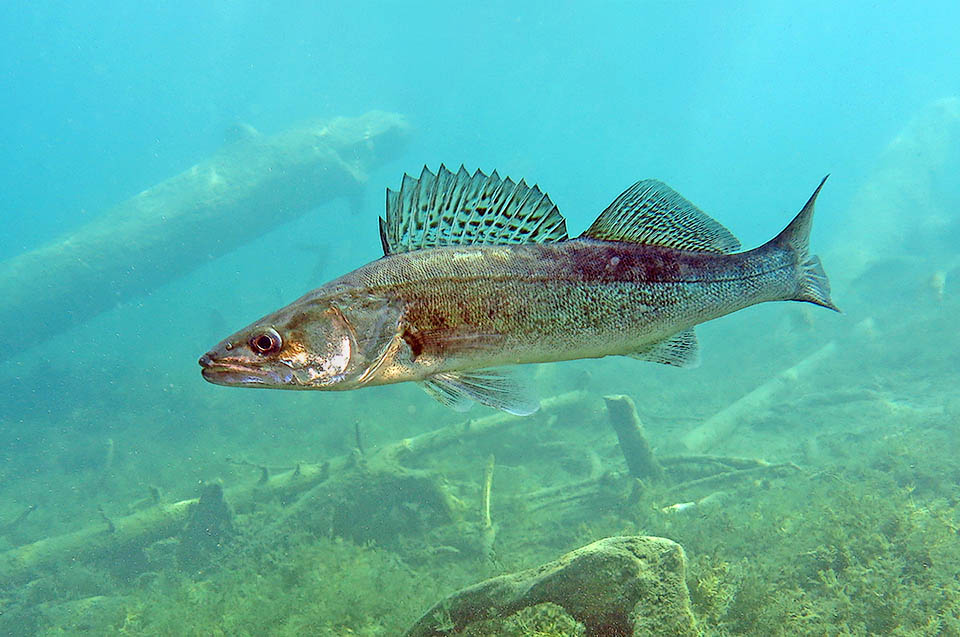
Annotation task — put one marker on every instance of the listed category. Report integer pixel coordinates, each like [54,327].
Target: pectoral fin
[494,388]
[681,350]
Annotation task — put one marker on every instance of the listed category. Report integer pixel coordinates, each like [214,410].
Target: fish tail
[813,286]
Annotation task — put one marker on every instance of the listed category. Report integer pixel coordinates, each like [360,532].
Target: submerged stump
[633,443]
[209,528]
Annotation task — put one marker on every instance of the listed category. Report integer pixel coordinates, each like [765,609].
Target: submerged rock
[629,586]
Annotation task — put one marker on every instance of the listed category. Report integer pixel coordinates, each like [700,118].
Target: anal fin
[681,350]
[491,387]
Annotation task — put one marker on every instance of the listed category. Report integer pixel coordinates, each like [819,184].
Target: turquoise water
[741,108]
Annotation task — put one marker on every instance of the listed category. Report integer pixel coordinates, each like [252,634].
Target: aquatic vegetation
[863,541]
[543,620]
[859,558]
[301,585]
[712,590]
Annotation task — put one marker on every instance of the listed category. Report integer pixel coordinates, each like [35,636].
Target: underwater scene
[575,355]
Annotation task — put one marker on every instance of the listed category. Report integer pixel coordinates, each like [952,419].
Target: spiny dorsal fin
[653,213]
[462,209]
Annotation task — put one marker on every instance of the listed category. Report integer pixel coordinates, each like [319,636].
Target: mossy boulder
[629,586]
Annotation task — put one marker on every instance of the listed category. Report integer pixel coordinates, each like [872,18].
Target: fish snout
[206,360]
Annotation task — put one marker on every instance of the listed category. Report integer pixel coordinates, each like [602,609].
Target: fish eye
[267,342]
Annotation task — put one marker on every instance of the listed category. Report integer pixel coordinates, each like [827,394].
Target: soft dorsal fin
[653,213]
[461,209]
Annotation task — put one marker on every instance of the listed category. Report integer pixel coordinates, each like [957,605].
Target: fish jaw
[239,374]
[276,374]
[244,375]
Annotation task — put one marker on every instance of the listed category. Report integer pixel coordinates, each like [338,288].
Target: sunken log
[179,224]
[726,421]
[310,491]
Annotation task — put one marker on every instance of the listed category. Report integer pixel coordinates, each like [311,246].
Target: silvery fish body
[479,274]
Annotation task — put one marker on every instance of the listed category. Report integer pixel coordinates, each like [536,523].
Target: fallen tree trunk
[331,492]
[167,230]
[144,527]
[722,424]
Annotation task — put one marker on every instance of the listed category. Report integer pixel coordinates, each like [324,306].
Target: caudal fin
[812,283]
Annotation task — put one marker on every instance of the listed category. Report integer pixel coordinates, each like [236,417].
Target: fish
[479,275]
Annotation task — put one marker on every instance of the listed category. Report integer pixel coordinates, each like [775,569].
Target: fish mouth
[236,374]
[232,377]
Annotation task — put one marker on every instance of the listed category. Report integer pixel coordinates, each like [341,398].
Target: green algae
[852,549]
[302,585]
[543,620]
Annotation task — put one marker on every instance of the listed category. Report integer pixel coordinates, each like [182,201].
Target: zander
[478,273]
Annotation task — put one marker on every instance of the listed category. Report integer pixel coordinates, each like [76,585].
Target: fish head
[302,346]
